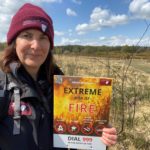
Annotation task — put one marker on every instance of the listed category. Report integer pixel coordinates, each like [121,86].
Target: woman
[27,64]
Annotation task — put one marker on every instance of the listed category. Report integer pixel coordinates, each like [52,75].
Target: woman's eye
[26,36]
[44,37]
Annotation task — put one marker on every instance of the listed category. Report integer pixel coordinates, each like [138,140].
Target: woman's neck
[33,72]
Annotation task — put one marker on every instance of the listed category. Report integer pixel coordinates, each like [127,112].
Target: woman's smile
[34,55]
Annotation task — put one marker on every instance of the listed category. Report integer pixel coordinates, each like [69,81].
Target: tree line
[100,51]
[105,51]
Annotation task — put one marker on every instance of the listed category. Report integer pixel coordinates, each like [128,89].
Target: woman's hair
[49,66]
[10,56]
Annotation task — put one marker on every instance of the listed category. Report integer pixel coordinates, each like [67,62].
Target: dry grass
[137,137]
[136,133]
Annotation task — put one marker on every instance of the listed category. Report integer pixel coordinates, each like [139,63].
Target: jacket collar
[26,83]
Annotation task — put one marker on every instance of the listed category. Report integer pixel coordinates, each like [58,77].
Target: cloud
[67,41]
[77,2]
[58,33]
[101,18]
[8,8]
[70,12]
[99,14]
[140,9]
[50,1]
[70,32]
[83,28]
[113,40]
[116,40]
[121,41]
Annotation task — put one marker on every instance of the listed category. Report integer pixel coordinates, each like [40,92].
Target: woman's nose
[35,44]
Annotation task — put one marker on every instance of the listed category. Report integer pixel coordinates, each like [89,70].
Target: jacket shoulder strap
[14,86]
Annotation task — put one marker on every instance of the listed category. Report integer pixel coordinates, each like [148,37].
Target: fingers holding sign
[109,136]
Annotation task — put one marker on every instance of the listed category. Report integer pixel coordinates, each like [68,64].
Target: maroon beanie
[30,16]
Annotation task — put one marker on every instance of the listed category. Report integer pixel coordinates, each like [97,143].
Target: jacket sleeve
[4,96]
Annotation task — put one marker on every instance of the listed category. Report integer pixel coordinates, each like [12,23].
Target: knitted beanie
[30,16]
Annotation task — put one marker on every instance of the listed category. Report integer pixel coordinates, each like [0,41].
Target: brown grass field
[134,77]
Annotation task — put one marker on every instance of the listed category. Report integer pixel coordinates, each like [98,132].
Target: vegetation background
[130,68]
[131,90]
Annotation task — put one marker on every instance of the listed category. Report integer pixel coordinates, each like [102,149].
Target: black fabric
[36,129]
[4,95]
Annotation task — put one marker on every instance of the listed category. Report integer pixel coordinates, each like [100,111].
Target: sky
[89,22]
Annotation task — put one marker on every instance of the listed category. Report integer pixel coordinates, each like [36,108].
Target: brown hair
[9,56]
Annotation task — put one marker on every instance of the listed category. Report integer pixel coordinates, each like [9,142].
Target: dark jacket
[36,131]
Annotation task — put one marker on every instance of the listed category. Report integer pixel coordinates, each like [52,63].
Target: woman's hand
[109,136]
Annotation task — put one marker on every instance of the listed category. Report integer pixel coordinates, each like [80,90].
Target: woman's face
[32,48]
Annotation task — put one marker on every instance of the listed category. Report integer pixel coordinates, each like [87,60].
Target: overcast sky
[89,22]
